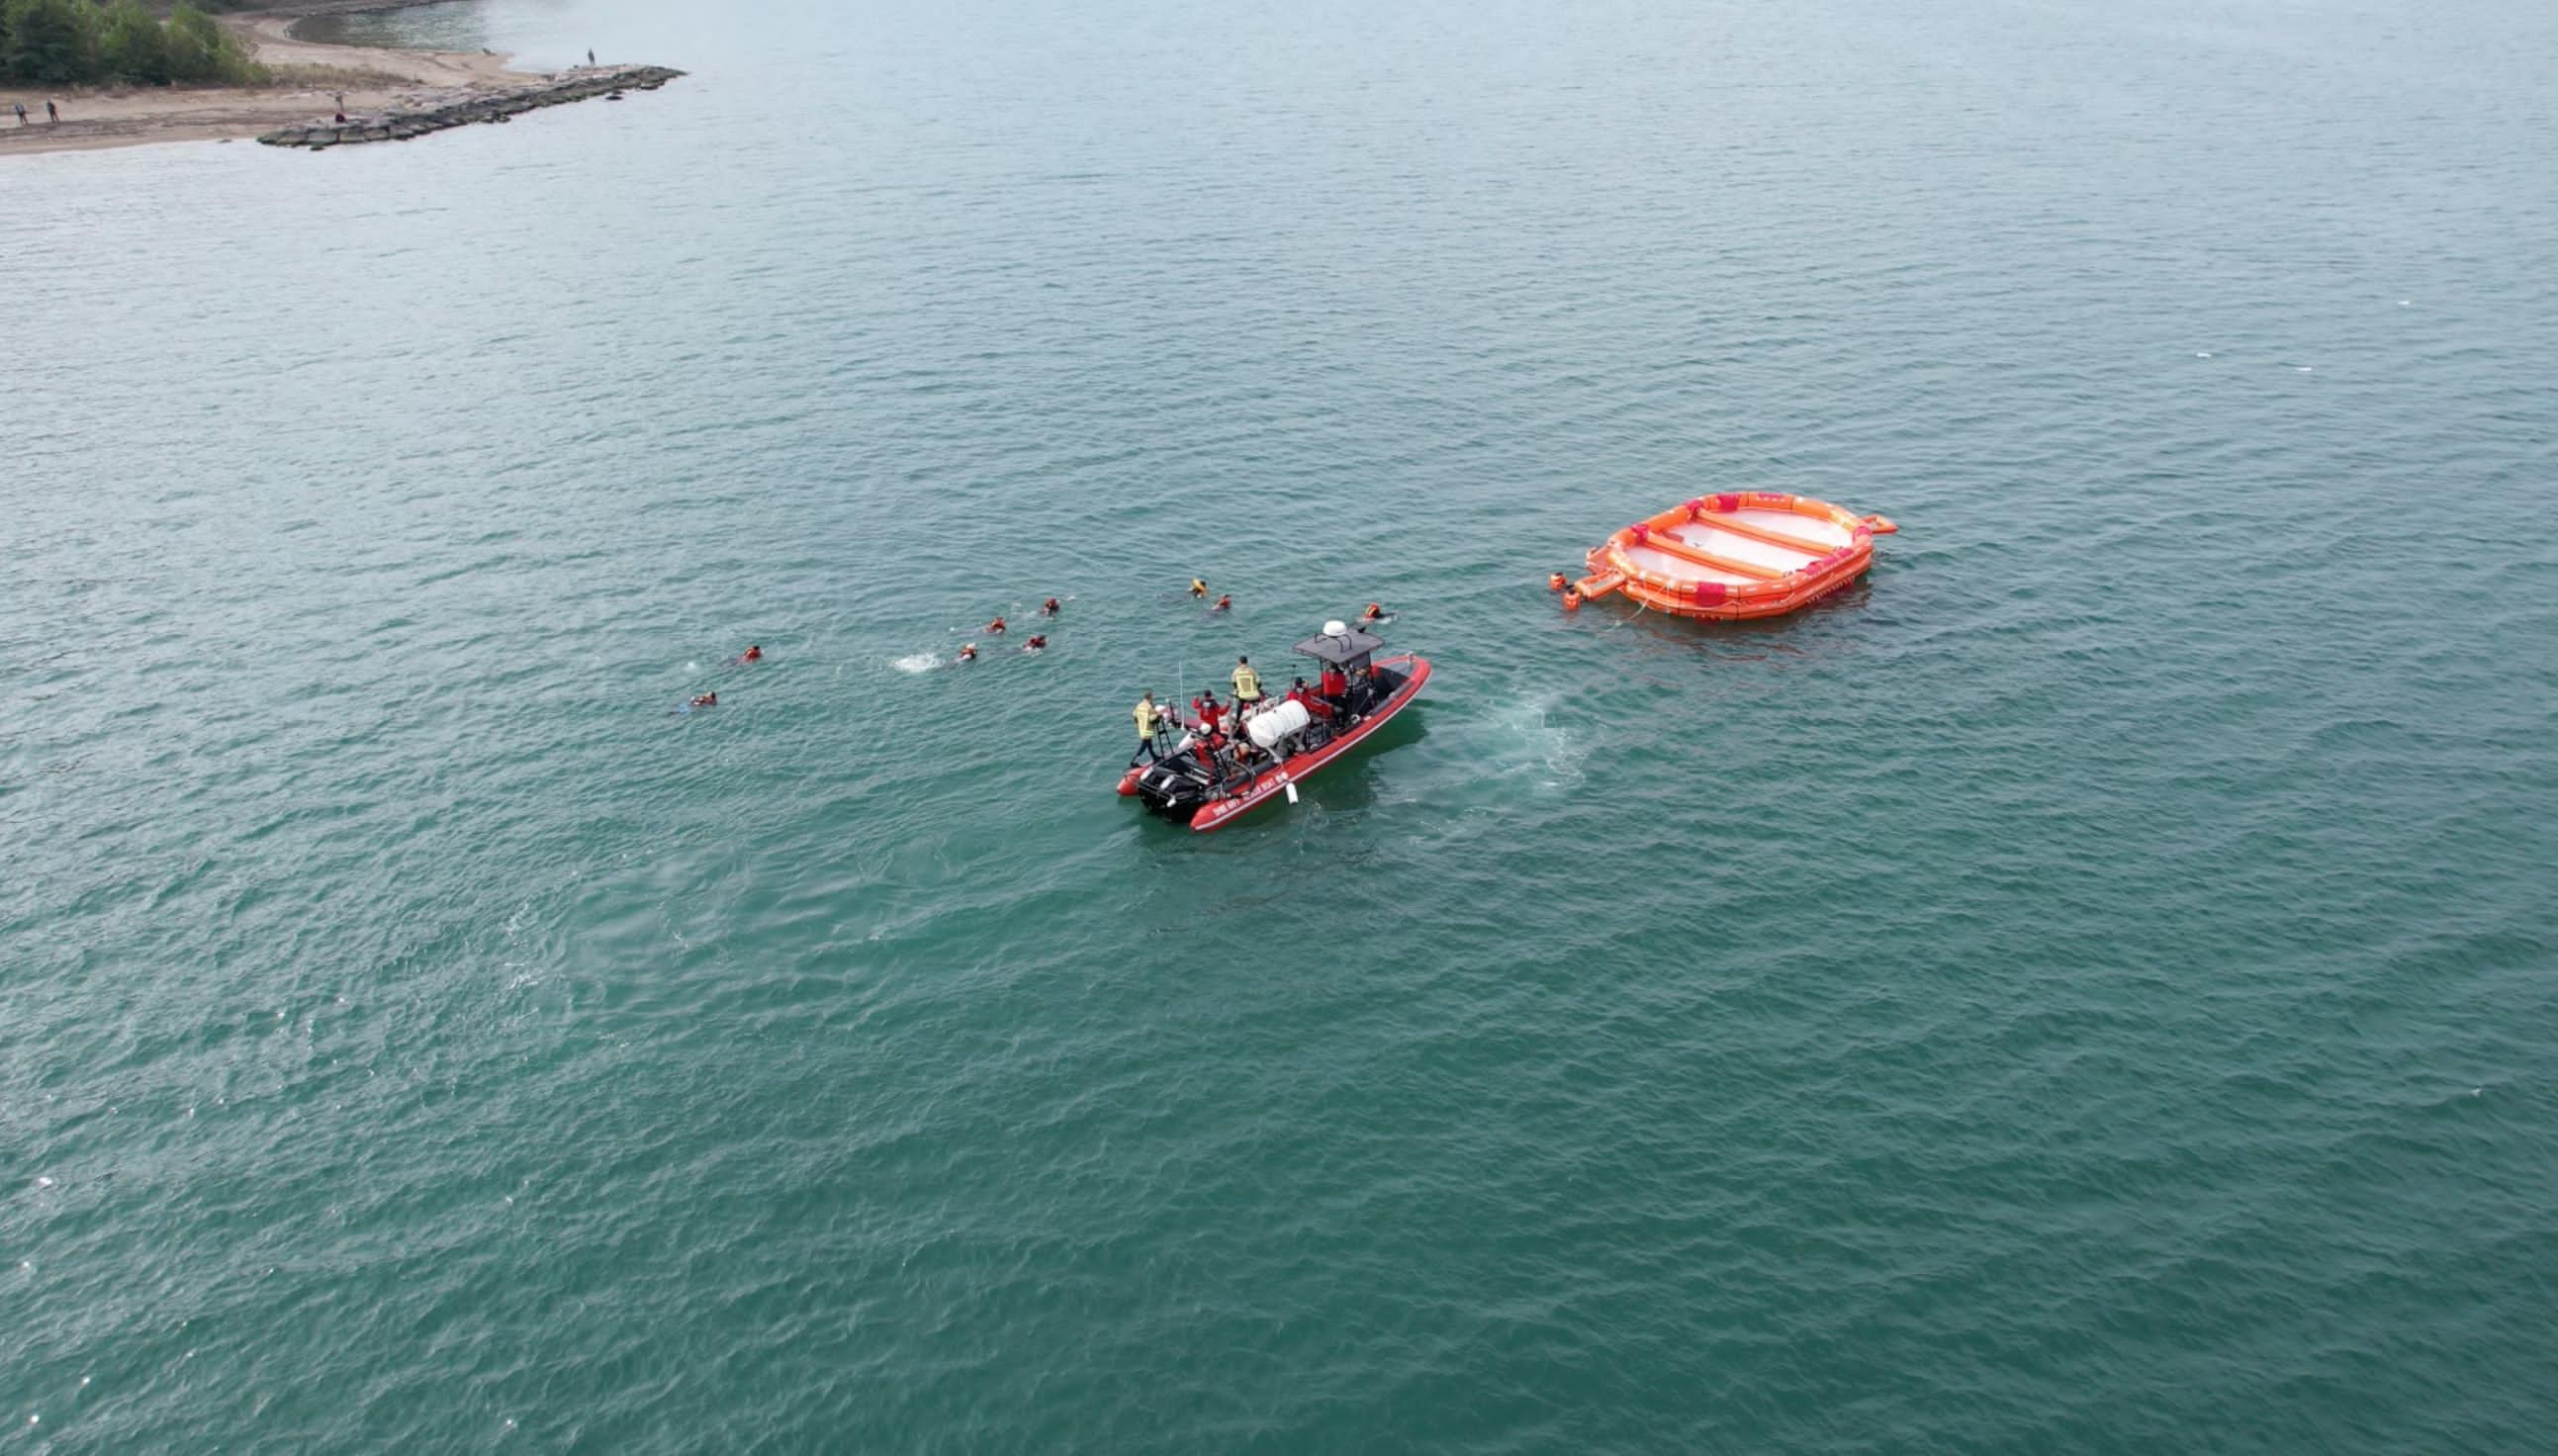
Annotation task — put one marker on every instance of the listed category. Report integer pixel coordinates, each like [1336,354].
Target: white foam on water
[1526,741]
[919,663]
[2203,353]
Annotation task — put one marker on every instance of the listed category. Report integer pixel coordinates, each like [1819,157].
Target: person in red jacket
[995,627]
[1335,687]
[1314,701]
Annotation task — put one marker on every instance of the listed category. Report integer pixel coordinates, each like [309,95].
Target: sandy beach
[373,79]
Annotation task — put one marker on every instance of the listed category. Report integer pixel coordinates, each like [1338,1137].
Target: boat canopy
[1347,649]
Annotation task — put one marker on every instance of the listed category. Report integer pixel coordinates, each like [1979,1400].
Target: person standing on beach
[22,113]
[52,114]
[590,55]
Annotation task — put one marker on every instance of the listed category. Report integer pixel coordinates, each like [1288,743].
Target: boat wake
[1525,741]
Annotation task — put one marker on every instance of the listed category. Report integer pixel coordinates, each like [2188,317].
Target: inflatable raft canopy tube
[1742,554]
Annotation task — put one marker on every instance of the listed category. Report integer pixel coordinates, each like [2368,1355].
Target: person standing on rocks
[52,114]
[22,113]
[590,55]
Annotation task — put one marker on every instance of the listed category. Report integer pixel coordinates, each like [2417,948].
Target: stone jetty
[416,116]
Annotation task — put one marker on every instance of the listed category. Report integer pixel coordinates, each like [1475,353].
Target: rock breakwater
[416,116]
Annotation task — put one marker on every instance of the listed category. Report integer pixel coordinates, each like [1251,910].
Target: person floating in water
[751,655]
[967,651]
[1050,607]
[996,627]
[1375,613]
[706,700]
[1199,588]
[1037,643]
[1224,604]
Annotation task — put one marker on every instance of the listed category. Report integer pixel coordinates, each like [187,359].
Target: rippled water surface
[2091,989]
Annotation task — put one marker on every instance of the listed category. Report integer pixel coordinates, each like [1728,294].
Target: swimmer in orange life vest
[968,652]
[751,655]
[1049,608]
[1554,581]
[1199,588]
[706,700]
[1222,604]
[1035,645]
[996,627]
[1375,613]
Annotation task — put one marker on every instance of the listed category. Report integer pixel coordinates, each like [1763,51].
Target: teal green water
[2089,989]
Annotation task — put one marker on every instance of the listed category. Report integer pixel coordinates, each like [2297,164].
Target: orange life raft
[1745,554]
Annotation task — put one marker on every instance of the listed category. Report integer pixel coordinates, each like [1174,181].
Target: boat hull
[1272,783]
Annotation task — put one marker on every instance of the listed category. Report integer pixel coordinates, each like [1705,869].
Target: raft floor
[1745,548]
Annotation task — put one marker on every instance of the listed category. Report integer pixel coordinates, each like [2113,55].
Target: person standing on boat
[1150,722]
[1314,701]
[1248,685]
[1336,687]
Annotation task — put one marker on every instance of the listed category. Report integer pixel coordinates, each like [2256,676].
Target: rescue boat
[1741,555]
[1208,780]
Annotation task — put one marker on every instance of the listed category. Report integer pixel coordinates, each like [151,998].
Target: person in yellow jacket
[1247,685]
[1150,720]
[1199,587]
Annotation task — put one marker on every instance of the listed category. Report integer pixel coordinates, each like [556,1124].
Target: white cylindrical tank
[1273,723]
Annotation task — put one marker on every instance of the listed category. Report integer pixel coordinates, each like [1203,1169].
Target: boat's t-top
[1347,653]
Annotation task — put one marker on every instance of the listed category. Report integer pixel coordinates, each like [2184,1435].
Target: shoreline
[374,78]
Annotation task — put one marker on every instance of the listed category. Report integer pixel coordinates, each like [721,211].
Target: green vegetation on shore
[77,42]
